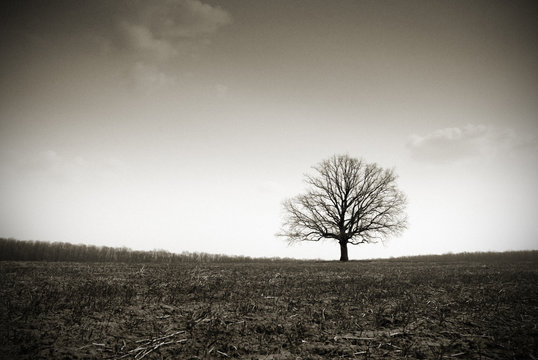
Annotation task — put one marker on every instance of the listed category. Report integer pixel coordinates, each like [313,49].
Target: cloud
[140,38]
[162,28]
[149,78]
[153,30]
[451,145]
[190,18]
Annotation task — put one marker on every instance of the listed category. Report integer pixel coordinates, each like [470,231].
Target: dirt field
[427,309]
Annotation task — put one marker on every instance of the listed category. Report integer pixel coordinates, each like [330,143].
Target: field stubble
[270,310]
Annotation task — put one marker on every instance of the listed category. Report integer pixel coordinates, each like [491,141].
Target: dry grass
[432,309]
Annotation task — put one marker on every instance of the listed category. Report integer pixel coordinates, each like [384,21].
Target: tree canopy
[348,200]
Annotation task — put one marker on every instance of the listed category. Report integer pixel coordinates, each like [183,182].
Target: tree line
[478,257]
[29,250]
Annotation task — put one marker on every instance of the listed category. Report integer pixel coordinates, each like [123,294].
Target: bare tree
[347,200]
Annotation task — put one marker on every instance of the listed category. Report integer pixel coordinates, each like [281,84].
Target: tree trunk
[343,251]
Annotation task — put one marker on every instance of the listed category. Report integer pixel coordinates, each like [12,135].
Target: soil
[457,309]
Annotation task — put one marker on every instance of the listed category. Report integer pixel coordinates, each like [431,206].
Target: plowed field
[270,310]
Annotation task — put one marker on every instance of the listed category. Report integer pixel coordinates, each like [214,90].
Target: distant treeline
[24,250]
[482,257]
[28,250]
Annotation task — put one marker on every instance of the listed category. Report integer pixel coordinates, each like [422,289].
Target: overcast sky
[183,124]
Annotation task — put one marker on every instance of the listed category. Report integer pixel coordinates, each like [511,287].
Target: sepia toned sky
[183,124]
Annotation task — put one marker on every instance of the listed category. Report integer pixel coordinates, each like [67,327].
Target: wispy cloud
[162,28]
[149,78]
[454,144]
[154,33]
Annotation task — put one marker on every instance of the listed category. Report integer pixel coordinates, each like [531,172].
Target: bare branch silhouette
[348,200]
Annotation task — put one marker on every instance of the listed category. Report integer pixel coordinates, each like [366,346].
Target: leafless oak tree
[347,200]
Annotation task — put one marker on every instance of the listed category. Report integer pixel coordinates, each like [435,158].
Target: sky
[184,124]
